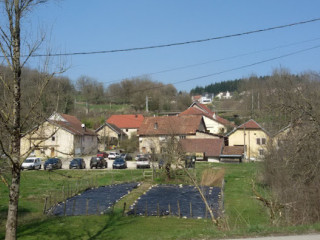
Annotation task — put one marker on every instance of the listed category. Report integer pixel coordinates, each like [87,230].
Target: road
[294,237]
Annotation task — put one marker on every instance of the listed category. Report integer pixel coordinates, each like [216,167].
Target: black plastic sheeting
[99,200]
[156,201]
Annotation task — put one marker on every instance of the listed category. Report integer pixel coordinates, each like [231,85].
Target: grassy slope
[244,215]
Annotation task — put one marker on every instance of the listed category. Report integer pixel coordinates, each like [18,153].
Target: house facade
[109,134]
[155,132]
[252,137]
[61,135]
[129,123]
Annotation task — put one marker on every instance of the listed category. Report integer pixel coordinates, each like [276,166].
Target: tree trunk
[12,219]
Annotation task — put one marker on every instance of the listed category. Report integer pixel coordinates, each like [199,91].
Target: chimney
[83,126]
[214,116]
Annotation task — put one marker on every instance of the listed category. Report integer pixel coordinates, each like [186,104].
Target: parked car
[139,156]
[102,154]
[98,162]
[119,163]
[113,155]
[143,162]
[31,163]
[77,163]
[126,156]
[52,163]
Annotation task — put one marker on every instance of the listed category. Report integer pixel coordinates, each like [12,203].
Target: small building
[232,154]
[61,135]
[128,123]
[204,149]
[252,138]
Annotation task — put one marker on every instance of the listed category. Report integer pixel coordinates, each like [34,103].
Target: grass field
[243,214]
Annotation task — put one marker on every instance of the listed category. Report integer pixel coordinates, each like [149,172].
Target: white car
[143,162]
[113,155]
[31,163]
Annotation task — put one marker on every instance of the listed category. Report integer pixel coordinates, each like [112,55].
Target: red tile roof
[211,147]
[233,150]
[126,121]
[170,125]
[72,124]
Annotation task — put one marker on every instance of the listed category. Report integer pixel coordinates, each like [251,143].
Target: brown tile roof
[211,147]
[232,150]
[251,124]
[126,121]
[203,110]
[170,125]
[72,125]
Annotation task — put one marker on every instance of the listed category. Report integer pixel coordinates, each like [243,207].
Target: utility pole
[147,104]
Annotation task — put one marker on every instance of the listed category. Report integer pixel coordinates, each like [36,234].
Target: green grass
[244,216]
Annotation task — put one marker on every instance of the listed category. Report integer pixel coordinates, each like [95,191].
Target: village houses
[128,123]
[155,131]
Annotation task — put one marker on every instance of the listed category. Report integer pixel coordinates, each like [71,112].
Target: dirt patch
[212,177]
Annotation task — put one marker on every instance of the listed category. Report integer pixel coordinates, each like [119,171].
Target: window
[261,141]
[261,152]
[182,137]
[127,130]
[156,126]
[53,138]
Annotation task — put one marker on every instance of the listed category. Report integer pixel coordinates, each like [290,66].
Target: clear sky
[96,25]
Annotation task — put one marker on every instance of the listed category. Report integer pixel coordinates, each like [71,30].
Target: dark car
[126,156]
[98,162]
[52,163]
[119,163]
[77,163]
[102,154]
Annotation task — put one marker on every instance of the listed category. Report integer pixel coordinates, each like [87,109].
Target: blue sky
[83,26]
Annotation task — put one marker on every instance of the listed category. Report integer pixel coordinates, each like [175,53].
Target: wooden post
[45,205]
[206,213]
[135,210]
[50,203]
[64,194]
[178,205]
[65,208]
[190,209]
[98,210]
[73,207]
[131,175]
[169,207]
[124,208]
[146,210]
[87,206]
[158,209]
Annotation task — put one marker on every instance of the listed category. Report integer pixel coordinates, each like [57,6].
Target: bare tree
[12,119]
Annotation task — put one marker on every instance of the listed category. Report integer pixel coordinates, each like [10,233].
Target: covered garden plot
[177,200]
[93,201]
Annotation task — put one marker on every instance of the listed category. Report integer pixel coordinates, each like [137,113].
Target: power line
[217,60]
[227,70]
[175,44]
